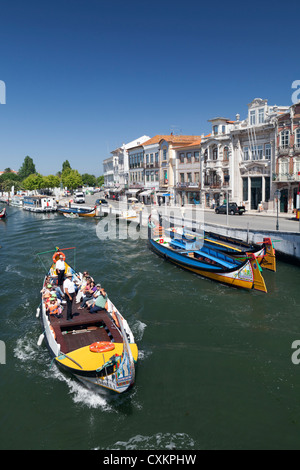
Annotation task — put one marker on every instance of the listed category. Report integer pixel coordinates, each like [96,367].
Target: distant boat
[3,214]
[194,256]
[98,349]
[39,203]
[75,210]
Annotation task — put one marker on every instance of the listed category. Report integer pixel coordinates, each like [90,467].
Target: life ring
[57,255]
[102,346]
[161,241]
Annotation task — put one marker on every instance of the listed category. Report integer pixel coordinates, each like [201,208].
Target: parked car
[79,198]
[233,209]
[101,202]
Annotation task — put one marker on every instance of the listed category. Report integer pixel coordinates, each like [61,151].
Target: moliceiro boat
[3,213]
[210,263]
[264,252]
[98,348]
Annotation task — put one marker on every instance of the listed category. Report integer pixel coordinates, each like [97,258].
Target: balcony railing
[286,177]
[284,150]
[188,184]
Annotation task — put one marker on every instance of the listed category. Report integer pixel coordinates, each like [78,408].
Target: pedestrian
[60,270]
[69,290]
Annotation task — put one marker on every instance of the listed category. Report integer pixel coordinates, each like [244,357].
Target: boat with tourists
[97,348]
[39,203]
[192,254]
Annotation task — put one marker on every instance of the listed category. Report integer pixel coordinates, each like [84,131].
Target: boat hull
[246,276]
[69,344]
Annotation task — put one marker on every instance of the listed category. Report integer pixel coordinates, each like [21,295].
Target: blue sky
[83,77]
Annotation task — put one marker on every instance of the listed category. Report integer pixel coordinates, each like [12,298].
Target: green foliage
[71,179]
[100,181]
[27,169]
[66,166]
[33,182]
[89,180]
[51,182]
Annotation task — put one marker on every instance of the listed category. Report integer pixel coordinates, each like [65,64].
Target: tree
[71,179]
[66,166]
[89,180]
[33,182]
[100,181]
[51,182]
[27,169]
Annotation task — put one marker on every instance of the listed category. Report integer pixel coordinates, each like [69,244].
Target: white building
[116,167]
[253,142]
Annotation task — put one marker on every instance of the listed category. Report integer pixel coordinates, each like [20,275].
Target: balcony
[284,150]
[152,165]
[286,177]
[188,185]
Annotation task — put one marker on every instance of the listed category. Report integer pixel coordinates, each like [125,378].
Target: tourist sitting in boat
[53,308]
[100,303]
[86,278]
[89,291]
[94,296]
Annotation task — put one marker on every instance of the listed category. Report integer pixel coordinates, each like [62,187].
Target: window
[189,157]
[297,166]
[246,153]
[268,151]
[156,157]
[197,156]
[245,189]
[223,129]
[151,157]
[215,129]
[156,176]
[297,139]
[164,154]
[215,153]
[189,177]
[197,177]
[257,152]
[181,158]
[205,156]
[252,118]
[181,177]
[261,116]
[284,167]
[285,139]
[226,154]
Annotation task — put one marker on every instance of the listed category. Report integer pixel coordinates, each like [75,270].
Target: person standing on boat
[60,269]
[69,290]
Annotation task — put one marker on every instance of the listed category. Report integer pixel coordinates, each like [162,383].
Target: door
[284,199]
[256,192]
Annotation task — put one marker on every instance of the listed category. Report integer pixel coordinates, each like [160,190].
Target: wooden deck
[85,328]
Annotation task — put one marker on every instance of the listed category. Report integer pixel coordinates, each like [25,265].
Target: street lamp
[277,195]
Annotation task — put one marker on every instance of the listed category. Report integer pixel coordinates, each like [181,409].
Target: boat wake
[159,441]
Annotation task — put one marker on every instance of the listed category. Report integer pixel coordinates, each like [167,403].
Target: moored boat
[194,256]
[264,252]
[96,348]
[3,213]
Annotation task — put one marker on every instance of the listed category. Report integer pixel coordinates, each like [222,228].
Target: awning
[133,191]
[146,193]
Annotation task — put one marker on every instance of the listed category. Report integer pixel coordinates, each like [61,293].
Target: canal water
[214,369]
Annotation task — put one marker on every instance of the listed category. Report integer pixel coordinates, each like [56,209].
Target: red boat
[3,214]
